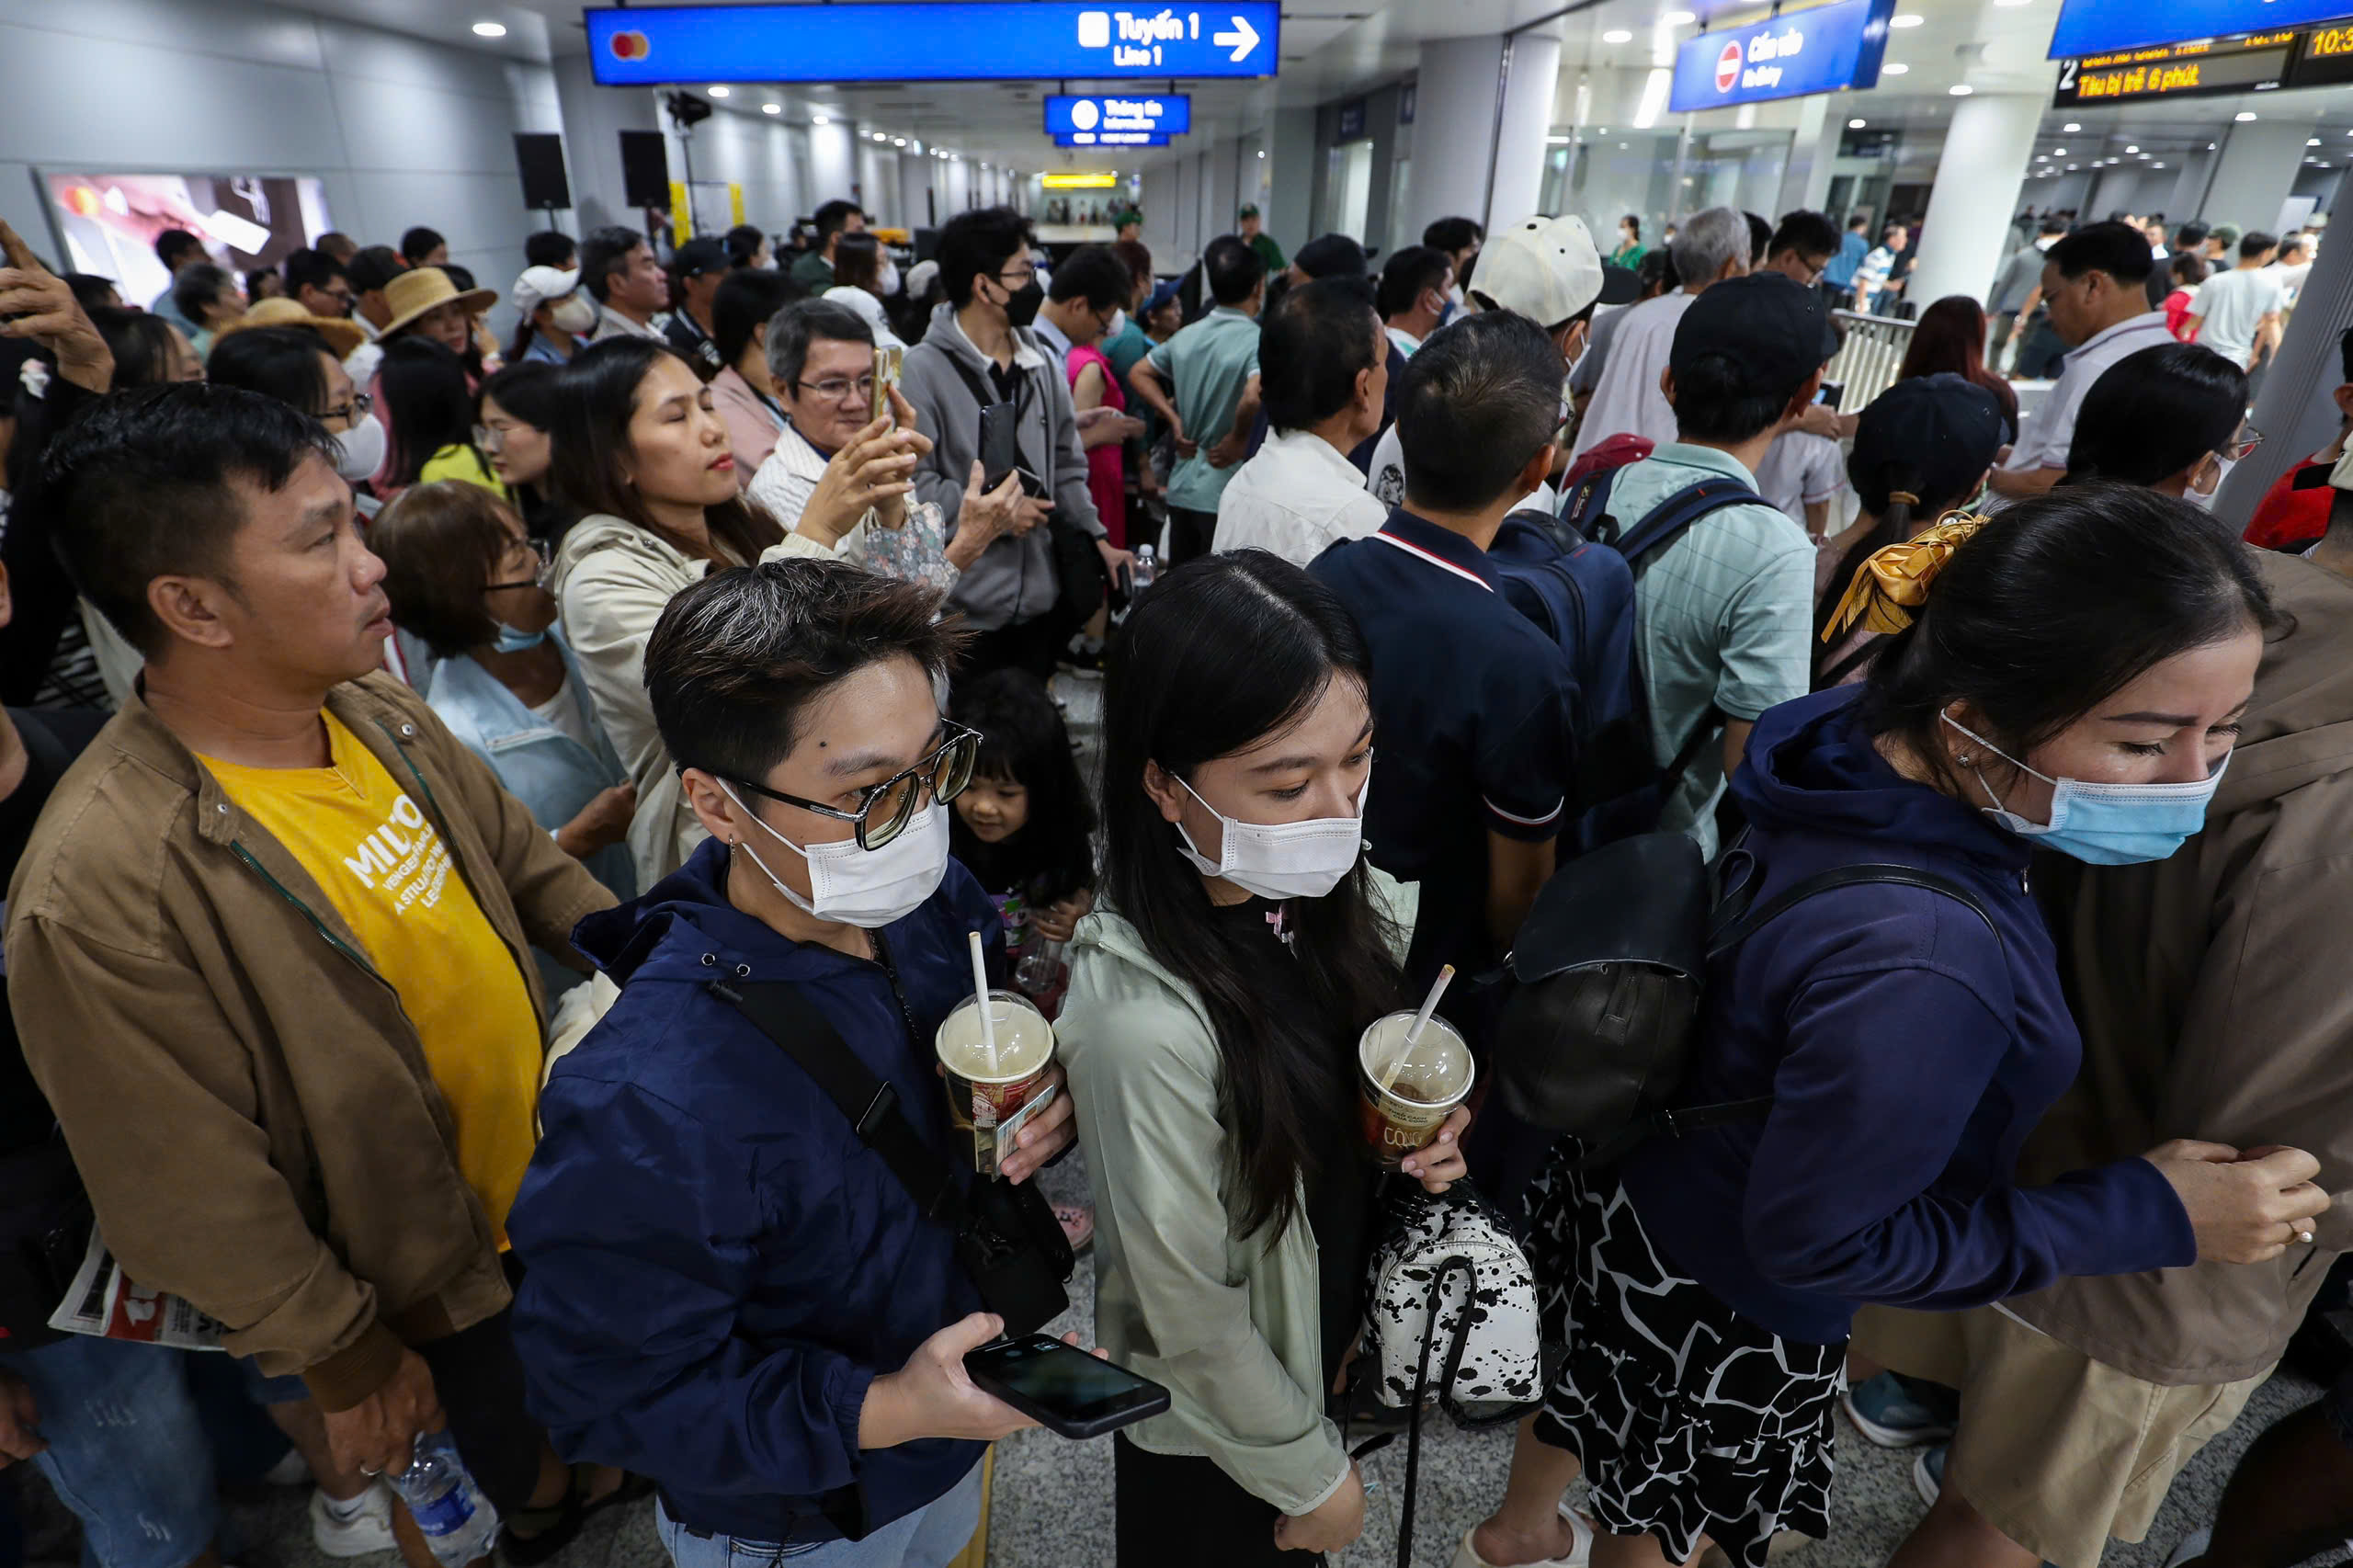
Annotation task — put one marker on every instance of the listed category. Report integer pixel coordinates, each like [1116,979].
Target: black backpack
[1596,1039]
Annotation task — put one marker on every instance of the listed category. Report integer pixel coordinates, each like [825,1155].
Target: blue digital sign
[1111,139]
[946,41]
[1109,114]
[1816,50]
[2098,26]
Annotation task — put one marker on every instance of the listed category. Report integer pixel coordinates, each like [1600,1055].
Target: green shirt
[1268,252]
[1723,614]
[1206,366]
[814,272]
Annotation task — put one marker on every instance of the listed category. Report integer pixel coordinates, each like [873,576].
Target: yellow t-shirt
[382,863]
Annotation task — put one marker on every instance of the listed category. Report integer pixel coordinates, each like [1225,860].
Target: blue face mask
[2107,824]
[513,641]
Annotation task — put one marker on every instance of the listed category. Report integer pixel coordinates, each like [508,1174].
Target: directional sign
[1797,53]
[1112,138]
[946,41]
[2102,26]
[1163,115]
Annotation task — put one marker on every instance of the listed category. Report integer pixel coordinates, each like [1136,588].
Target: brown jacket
[248,1105]
[2213,995]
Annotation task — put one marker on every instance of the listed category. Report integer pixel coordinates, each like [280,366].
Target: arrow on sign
[1241,39]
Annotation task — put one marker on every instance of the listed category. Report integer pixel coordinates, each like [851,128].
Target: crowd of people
[422,751]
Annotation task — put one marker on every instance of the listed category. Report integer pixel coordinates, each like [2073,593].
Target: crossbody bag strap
[777,1009]
[1663,523]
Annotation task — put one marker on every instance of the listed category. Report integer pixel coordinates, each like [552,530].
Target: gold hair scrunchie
[1894,581]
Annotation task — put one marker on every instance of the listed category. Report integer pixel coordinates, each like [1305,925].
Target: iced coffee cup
[1422,1090]
[990,1103]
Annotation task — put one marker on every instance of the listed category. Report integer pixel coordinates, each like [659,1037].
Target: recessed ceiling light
[1960,89]
[2071,127]
[1894,69]
[2136,149]
[2212,145]
[1905,21]
[2244,115]
[1855,124]
[1617,35]
[717,92]
[2058,152]
[1603,131]
[2156,166]
[490,29]
[2313,143]
[771,108]
[2071,169]
[898,141]
[819,120]
[1261,152]
[1678,18]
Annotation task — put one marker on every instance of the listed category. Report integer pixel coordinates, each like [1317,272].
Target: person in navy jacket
[2067,676]
[725,1289]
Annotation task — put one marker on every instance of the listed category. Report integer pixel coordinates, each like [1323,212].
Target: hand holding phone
[1000,443]
[1062,1388]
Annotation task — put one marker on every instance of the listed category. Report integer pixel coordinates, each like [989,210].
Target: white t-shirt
[2050,430]
[1800,469]
[1298,496]
[1386,476]
[2230,306]
[562,712]
[1626,400]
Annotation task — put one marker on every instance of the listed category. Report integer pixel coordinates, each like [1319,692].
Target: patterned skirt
[1689,1418]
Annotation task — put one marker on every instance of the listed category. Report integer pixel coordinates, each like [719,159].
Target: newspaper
[106,1303]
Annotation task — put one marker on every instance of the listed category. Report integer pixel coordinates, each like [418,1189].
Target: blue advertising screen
[2097,26]
[1816,50]
[950,40]
[1161,115]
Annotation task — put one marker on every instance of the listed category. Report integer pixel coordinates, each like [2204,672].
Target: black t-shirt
[1343,1183]
[53,737]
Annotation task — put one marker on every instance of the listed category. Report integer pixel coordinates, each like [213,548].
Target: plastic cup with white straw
[988,1014]
[1412,1035]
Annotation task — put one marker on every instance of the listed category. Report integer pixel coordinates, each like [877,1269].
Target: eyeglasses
[885,808]
[841,392]
[2236,448]
[539,553]
[491,437]
[355,411]
[1021,276]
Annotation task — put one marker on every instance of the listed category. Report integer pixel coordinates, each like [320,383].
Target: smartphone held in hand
[886,378]
[1062,1388]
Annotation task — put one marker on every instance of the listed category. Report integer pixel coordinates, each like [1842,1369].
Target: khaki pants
[2057,1451]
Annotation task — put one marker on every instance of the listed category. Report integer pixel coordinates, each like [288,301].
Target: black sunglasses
[885,808]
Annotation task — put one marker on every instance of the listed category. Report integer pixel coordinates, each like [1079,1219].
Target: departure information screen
[2104,26]
[2250,64]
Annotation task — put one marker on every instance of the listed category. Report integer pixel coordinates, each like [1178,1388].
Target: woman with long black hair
[643,455]
[2172,417]
[1241,947]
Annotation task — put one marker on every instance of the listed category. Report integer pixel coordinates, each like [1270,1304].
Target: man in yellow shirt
[271,950]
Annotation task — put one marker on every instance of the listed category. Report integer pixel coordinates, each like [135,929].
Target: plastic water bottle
[1146,568]
[459,1522]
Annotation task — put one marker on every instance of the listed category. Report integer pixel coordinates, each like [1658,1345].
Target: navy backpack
[1573,576]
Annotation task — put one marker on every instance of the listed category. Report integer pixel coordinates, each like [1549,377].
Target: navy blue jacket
[716,1267]
[1908,1053]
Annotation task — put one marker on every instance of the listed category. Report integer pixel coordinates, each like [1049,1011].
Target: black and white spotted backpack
[1451,1316]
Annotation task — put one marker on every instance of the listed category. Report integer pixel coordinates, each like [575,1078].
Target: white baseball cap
[543,285]
[1547,269]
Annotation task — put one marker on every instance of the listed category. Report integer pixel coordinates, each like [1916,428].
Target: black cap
[702,254]
[1943,430]
[1331,255]
[1623,286]
[1772,326]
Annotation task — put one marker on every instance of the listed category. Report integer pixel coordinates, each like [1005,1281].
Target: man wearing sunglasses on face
[724,1283]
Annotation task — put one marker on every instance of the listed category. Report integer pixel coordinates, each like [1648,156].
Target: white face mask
[575,313]
[1119,324]
[867,888]
[2205,498]
[1280,860]
[359,451]
[890,278]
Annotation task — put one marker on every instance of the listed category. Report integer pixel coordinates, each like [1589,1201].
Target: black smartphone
[1000,443]
[1830,394]
[1066,1390]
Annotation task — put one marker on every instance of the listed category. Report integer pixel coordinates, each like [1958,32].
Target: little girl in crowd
[1025,826]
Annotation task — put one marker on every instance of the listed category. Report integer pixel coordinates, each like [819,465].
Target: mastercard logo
[629,45]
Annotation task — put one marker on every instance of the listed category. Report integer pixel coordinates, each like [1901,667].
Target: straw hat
[412,293]
[342,337]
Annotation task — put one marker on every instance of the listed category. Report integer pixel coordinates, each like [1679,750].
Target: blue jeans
[928,1538]
[126,1450]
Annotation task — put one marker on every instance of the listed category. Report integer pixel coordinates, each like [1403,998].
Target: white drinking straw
[980,999]
[1421,1021]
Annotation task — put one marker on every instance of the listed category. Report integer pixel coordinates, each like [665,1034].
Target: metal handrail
[1868,360]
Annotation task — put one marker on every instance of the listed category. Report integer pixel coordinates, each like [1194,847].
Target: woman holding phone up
[1241,947]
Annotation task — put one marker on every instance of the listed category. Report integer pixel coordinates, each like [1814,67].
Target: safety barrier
[1867,362]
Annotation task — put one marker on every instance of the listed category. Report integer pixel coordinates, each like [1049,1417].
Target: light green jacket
[1233,1327]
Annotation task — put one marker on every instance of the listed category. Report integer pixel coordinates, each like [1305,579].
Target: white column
[1454,130]
[915,189]
[1978,181]
[1532,70]
[1290,176]
[1805,179]
[2296,410]
[831,165]
[2189,186]
[2258,166]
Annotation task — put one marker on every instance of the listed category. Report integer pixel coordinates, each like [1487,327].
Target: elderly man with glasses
[841,477]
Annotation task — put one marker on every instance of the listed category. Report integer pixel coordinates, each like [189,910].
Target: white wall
[399,131]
